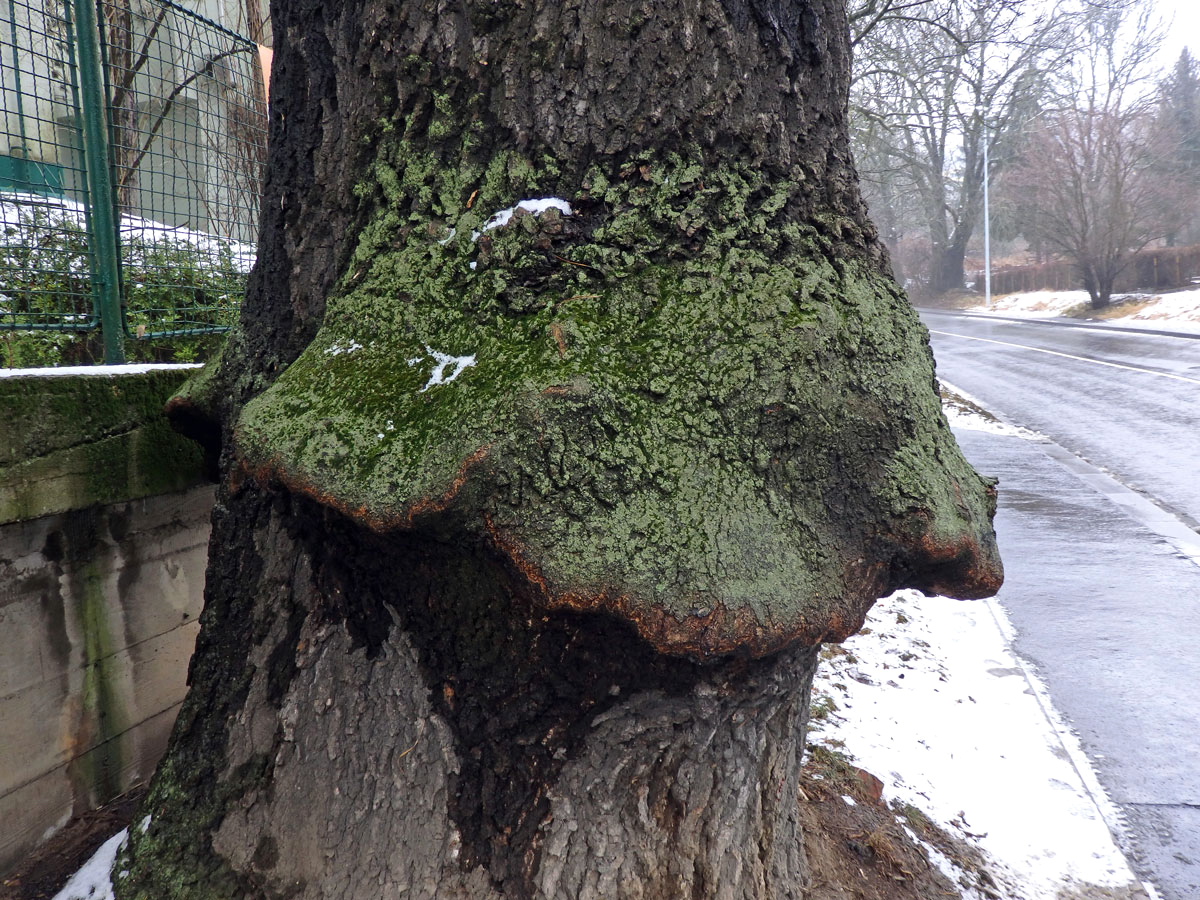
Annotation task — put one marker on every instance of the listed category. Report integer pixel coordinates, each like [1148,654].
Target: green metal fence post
[106,274]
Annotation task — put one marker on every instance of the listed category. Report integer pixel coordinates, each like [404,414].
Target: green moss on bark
[679,399]
[162,861]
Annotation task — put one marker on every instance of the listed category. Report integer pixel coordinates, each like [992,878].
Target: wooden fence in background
[1162,268]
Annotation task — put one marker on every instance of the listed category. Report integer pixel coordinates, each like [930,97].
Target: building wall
[104,522]
[98,617]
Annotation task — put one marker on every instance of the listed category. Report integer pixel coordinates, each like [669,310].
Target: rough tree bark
[528,533]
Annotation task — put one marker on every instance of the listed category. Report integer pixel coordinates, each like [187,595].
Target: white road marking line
[1098,362]
[1142,508]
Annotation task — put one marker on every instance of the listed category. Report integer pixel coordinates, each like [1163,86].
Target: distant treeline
[1161,268]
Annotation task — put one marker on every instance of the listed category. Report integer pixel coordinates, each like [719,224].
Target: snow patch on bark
[337,348]
[442,362]
[536,207]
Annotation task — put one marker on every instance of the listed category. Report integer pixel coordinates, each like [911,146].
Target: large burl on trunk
[530,526]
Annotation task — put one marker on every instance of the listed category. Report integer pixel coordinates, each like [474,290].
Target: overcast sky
[1185,30]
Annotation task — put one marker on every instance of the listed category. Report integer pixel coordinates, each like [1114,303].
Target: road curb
[1108,810]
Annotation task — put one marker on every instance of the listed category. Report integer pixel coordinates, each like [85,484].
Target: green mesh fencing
[179,146]
[45,251]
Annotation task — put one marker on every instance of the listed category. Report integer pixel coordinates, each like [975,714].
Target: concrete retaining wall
[101,584]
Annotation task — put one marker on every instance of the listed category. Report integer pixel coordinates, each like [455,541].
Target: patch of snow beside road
[967,416]
[1177,311]
[1034,304]
[931,699]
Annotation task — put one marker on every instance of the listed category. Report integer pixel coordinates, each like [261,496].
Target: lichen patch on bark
[667,428]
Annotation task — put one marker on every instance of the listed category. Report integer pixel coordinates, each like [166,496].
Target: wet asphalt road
[1097,531]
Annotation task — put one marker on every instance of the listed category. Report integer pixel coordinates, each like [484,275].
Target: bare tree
[866,16]
[124,61]
[159,62]
[931,87]
[1091,178]
[1094,191]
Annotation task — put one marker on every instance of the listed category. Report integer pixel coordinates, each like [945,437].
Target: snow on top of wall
[129,369]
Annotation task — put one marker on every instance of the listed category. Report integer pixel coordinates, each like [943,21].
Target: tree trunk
[446,744]
[1098,284]
[529,532]
[946,268]
[123,112]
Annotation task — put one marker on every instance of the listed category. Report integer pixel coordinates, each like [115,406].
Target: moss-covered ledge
[73,441]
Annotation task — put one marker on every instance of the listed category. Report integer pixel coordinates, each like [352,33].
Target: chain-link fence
[131,155]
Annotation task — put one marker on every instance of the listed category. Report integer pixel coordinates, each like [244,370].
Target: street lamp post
[987,228]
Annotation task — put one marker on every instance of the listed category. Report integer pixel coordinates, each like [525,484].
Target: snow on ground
[92,882]
[24,216]
[1176,311]
[963,411]
[1034,304]
[931,699]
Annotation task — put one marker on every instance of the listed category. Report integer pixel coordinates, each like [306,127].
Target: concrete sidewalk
[1101,589]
